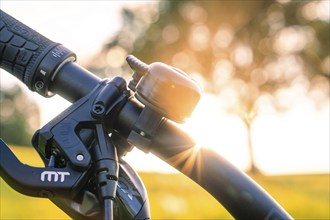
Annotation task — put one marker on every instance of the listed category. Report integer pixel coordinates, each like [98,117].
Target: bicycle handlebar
[48,68]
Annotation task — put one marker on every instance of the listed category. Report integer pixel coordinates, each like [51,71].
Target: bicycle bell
[165,89]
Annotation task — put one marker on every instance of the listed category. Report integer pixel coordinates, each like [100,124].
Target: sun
[213,128]
[203,125]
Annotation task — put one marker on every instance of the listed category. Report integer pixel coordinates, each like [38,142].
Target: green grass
[303,196]
[174,196]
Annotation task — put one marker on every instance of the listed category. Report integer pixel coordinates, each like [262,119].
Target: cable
[106,170]
[108,209]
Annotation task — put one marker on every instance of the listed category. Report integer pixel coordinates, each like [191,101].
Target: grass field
[174,196]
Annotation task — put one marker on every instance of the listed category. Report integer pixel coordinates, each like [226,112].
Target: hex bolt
[98,109]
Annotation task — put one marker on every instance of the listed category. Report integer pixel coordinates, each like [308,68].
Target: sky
[296,141]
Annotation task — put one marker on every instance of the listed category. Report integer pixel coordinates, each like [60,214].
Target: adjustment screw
[80,157]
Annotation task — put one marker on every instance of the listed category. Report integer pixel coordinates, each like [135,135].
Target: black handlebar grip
[28,55]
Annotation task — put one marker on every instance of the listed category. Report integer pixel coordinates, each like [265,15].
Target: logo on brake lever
[56,175]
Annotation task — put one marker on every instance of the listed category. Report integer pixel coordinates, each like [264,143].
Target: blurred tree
[19,116]
[249,52]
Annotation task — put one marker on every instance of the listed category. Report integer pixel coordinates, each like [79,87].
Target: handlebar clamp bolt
[98,110]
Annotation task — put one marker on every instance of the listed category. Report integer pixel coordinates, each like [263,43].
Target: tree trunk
[253,168]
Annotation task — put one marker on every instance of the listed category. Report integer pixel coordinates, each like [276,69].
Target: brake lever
[61,185]
[46,182]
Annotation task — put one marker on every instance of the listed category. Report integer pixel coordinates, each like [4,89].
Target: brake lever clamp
[71,133]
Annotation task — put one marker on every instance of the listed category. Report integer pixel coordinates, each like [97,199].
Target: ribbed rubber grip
[21,48]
